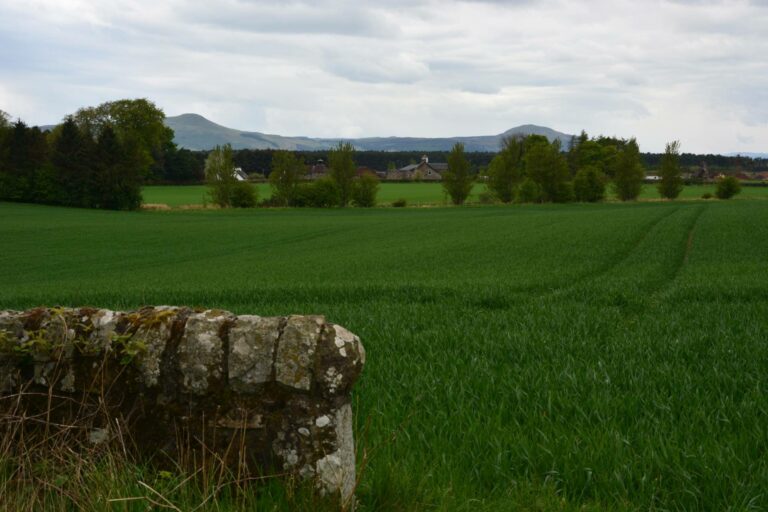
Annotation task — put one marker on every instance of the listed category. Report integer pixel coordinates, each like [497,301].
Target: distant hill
[193,131]
[750,155]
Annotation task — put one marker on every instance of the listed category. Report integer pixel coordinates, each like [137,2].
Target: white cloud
[658,70]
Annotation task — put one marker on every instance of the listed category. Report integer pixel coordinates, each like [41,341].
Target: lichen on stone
[296,350]
[252,345]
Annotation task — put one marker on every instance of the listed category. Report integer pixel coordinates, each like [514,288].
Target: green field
[414,193]
[544,357]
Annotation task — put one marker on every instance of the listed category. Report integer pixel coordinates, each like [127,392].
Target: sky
[659,70]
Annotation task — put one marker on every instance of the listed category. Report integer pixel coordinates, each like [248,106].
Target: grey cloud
[422,67]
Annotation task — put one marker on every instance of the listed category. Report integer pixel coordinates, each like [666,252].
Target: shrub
[364,190]
[317,194]
[727,187]
[529,192]
[589,185]
[563,192]
[486,197]
[243,195]
[400,203]
[706,195]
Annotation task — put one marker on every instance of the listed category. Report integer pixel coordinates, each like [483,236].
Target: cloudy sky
[694,70]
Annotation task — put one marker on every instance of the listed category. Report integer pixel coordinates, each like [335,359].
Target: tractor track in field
[682,261]
[621,259]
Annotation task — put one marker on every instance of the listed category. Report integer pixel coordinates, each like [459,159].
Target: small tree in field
[671,183]
[365,189]
[727,187]
[589,185]
[342,164]
[529,192]
[285,176]
[546,165]
[224,188]
[457,181]
[505,170]
[628,175]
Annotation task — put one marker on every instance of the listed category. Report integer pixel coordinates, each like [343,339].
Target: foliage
[5,120]
[220,175]
[506,169]
[727,187]
[486,197]
[671,183]
[546,165]
[223,186]
[364,190]
[179,165]
[629,175]
[138,120]
[342,170]
[529,191]
[599,152]
[457,181]
[114,177]
[400,203]
[68,167]
[589,185]
[322,193]
[285,176]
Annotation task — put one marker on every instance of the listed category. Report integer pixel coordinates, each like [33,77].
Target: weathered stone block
[275,387]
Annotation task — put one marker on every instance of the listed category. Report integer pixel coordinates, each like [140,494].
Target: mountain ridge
[193,131]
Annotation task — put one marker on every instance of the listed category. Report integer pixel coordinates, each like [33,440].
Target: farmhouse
[423,171]
[317,171]
[239,174]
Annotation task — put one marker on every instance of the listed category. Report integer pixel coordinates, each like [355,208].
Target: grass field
[414,193]
[545,357]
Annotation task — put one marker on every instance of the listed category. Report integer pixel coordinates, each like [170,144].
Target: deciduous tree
[285,176]
[506,171]
[342,170]
[365,189]
[546,165]
[139,119]
[589,185]
[629,174]
[457,180]
[727,187]
[671,183]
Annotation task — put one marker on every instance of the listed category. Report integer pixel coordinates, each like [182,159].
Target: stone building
[423,171]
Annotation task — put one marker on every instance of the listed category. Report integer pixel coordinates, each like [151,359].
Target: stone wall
[270,395]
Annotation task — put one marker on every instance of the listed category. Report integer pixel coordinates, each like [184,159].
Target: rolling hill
[194,131]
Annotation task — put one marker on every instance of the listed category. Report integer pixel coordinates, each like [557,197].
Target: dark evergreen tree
[72,162]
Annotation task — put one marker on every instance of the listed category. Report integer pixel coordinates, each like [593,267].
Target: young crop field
[541,357]
[414,193]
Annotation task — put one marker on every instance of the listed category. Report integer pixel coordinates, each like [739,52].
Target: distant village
[427,171]
[423,171]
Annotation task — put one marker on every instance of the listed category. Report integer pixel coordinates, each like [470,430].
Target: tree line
[343,186]
[532,168]
[259,161]
[99,157]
